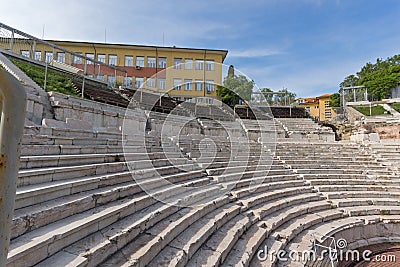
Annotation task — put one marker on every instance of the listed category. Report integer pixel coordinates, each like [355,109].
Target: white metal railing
[29,48]
[13,109]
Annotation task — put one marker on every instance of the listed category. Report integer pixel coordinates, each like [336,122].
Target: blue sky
[307,46]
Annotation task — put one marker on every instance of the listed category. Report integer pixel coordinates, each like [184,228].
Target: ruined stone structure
[96,189]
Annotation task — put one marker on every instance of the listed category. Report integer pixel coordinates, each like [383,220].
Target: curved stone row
[82,200]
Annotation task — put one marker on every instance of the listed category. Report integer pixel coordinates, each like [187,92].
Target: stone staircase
[184,195]
[98,198]
[77,187]
[304,128]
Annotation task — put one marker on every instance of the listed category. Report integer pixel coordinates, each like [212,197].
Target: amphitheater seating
[202,110]
[153,102]
[90,197]
[100,94]
[78,204]
[287,112]
[74,186]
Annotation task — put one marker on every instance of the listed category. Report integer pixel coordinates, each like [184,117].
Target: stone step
[217,247]
[366,182]
[38,150]
[321,231]
[352,202]
[244,167]
[372,210]
[37,193]
[70,132]
[239,158]
[259,188]
[278,199]
[371,167]
[311,157]
[258,180]
[43,242]
[50,174]
[282,237]
[344,176]
[343,171]
[182,248]
[359,187]
[243,174]
[278,220]
[338,160]
[111,188]
[28,162]
[149,243]
[63,140]
[361,194]
[247,245]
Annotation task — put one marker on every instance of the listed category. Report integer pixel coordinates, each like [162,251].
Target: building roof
[324,96]
[308,100]
[146,47]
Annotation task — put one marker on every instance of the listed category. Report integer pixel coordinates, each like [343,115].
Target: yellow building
[318,107]
[183,72]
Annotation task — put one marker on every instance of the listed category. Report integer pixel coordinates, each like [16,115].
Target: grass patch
[56,81]
[395,106]
[375,110]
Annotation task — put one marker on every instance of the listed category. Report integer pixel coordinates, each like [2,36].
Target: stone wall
[72,110]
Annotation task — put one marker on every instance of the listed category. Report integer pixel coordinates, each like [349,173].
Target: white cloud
[254,52]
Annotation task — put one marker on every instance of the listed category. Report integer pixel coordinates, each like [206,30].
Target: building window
[327,104]
[188,63]
[128,62]
[139,82]
[176,98]
[100,77]
[78,59]
[308,109]
[198,85]
[199,64]
[61,57]
[210,65]
[25,53]
[111,80]
[90,56]
[177,63]
[210,86]
[101,58]
[49,57]
[189,99]
[161,83]
[38,56]
[151,62]
[188,84]
[328,114]
[128,81]
[177,84]
[151,82]
[162,62]
[140,62]
[112,60]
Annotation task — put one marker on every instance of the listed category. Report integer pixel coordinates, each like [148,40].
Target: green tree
[378,77]
[235,88]
[349,81]
[268,97]
[335,100]
[286,98]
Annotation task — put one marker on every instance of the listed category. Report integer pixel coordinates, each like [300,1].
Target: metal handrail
[56,47]
[13,109]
